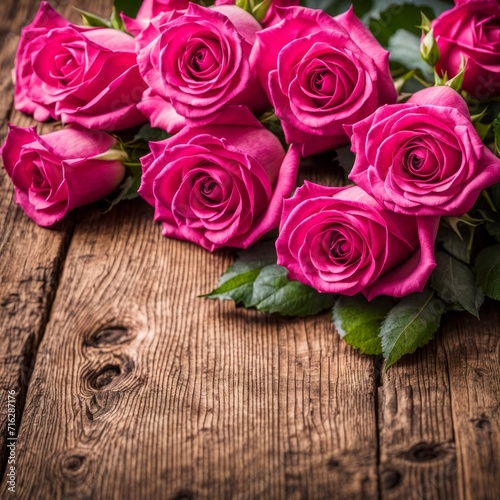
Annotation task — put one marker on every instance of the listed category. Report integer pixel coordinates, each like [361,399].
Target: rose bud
[423,157]
[59,171]
[470,33]
[198,62]
[340,240]
[78,74]
[221,184]
[320,73]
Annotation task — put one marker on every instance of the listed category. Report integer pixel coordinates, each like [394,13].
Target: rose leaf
[256,281]
[358,321]
[453,244]
[410,324]
[455,284]
[487,268]
[148,133]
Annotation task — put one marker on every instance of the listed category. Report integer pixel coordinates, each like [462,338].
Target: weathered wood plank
[417,447]
[472,350]
[141,390]
[31,256]
[440,417]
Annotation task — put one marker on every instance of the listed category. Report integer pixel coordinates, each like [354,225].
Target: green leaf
[90,19]
[492,223]
[495,195]
[358,321]
[487,268]
[128,7]
[457,246]
[256,281]
[148,133]
[455,283]
[410,324]
[127,190]
[404,48]
[387,17]
[346,158]
[496,133]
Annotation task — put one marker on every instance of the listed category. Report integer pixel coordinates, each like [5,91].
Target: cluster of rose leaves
[222,179]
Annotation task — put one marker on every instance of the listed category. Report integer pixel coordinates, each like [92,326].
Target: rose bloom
[471,31]
[198,62]
[150,9]
[59,171]
[423,157]
[320,73]
[340,240]
[221,184]
[82,75]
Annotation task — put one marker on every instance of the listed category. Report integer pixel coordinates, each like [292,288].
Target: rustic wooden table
[129,386]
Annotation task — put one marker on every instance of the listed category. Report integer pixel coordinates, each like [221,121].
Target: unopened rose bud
[429,49]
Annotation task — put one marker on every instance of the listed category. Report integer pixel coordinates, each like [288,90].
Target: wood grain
[136,388]
[173,396]
[31,256]
[472,350]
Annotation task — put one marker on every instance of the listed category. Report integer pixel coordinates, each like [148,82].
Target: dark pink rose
[340,240]
[82,75]
[221,184]
[199,61]
[57,172]
[471,31]
[150,9]
[423,157]
[321,73]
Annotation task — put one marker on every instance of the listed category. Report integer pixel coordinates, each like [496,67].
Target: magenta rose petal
[221,182]
[423,158]
[340,240]
[57,172]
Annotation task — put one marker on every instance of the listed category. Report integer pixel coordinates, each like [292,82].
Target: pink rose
[423,157]
[221,184]
[57,172]
[82,75]
[150,9]
[340,240]
[199,62]
[471,30]
[321,73]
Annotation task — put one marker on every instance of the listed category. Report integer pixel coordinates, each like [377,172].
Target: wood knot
[104,376]
[11,304]
[425,452]
[391,478]
[100,403]
[332,463]
[109,336]
[74,465]
[483,422]
[112,371]
[184,495]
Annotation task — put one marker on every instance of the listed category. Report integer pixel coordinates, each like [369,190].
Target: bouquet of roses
[206,112]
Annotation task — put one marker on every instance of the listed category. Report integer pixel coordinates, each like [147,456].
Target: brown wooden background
[131,387]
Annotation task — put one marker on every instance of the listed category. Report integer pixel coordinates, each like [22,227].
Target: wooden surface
[129,386]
